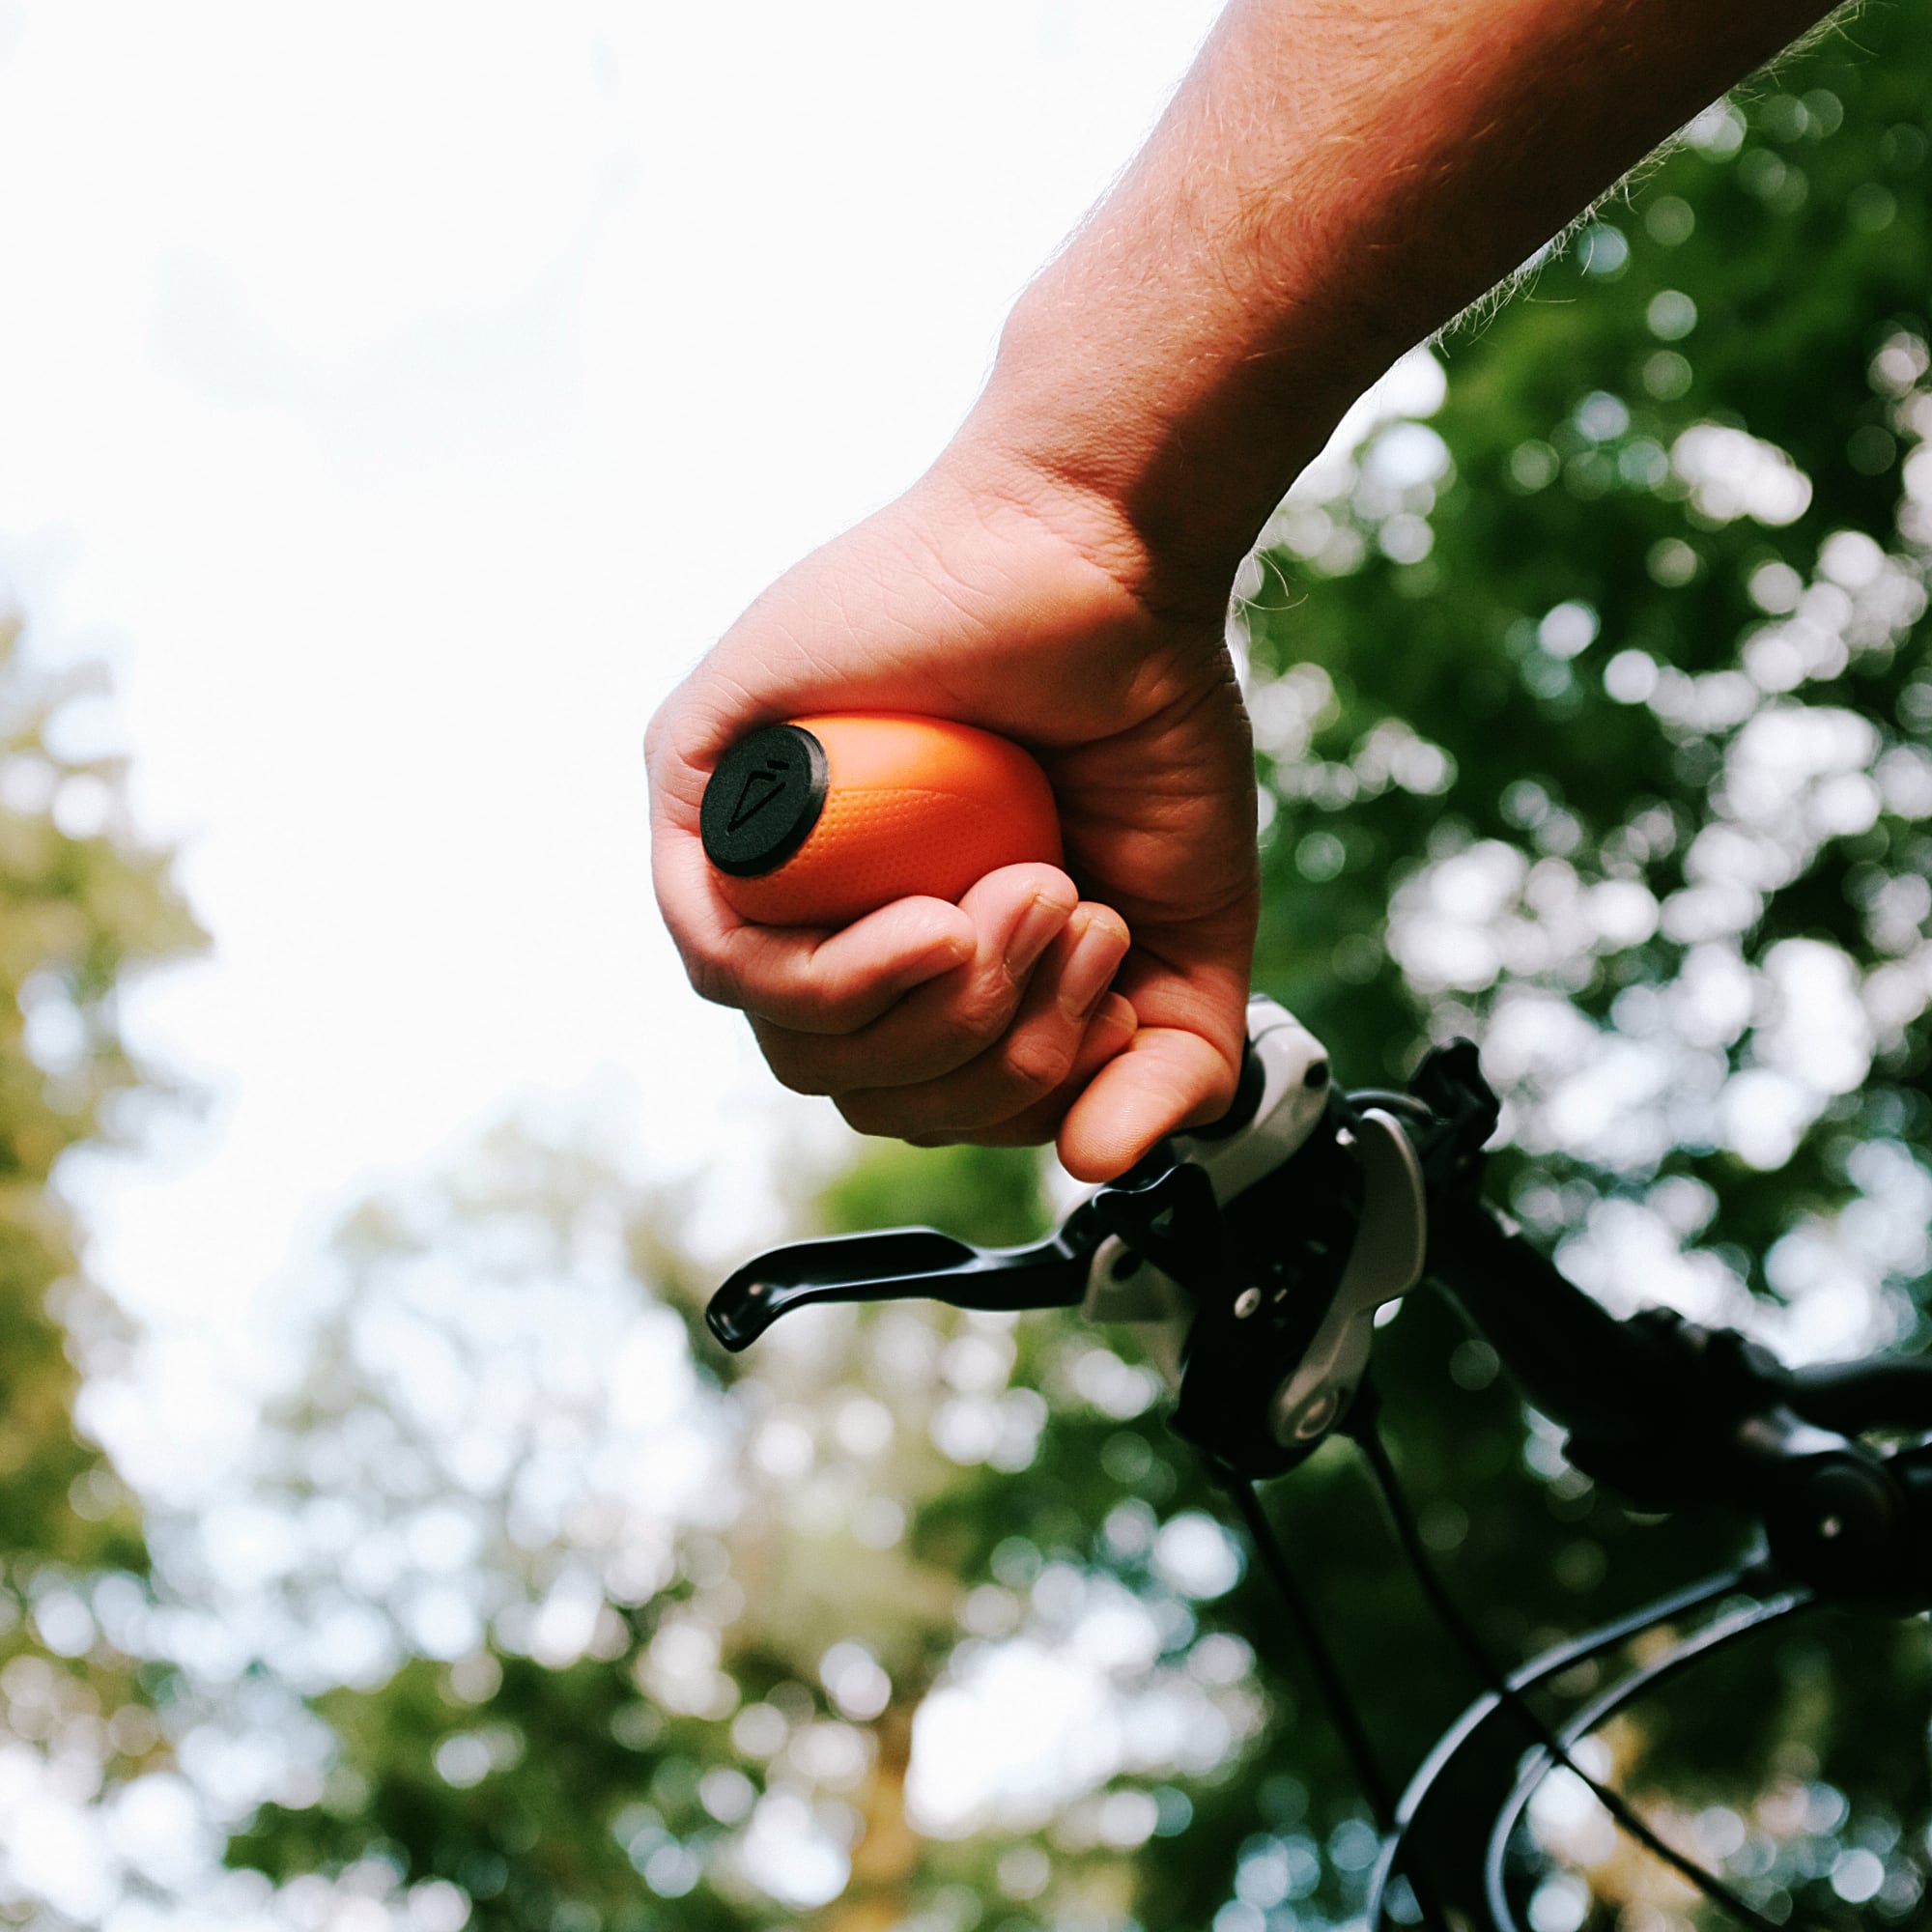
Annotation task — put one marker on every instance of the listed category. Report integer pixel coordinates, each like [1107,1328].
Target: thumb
[1167,1079]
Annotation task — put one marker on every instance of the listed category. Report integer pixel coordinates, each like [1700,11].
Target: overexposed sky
[399,396]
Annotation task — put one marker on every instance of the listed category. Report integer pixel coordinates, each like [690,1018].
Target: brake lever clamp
[1277,1349]
[1253,1261]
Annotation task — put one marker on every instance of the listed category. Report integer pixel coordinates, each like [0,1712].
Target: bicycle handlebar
[1601,1379]
[1252,1259]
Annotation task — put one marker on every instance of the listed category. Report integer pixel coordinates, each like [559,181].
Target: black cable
[1347,1719]
[1377,1457]
[1531,1676]
[1712,1637]
[1342,1711]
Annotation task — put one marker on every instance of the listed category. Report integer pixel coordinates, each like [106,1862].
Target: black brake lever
[900,1263]
[1163,1209]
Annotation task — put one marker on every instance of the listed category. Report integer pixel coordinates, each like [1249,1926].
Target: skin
[1334,179]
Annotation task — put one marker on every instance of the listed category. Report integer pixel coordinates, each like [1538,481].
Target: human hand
[990,596]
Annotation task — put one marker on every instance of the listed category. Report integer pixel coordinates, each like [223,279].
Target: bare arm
[1334,179]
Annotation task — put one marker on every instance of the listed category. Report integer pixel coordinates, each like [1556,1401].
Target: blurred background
[394,402]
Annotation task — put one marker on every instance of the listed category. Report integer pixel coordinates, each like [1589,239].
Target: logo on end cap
[762,800]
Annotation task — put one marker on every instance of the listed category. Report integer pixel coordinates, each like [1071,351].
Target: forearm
[1334,179]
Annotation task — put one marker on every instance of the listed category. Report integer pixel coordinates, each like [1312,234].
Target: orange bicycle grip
[823,819]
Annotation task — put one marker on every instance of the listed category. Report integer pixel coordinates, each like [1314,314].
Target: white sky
[399,396]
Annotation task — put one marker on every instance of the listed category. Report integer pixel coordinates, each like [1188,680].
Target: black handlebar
[1599,1378]
[1671,1415]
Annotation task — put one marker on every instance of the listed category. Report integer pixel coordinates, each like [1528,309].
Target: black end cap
[763,800]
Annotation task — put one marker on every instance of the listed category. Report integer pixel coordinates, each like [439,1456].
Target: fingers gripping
[1050,1042]
[1014,915]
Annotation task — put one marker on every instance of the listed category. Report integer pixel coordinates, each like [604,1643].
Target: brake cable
[1745,1622]
[1554,1663]
[1362,1428]
[1555,1746]
[1342,1711]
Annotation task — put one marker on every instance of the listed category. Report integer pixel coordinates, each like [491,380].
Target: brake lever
[1285,1075]
[900,1263]
[1167,1208]
[1154,1250]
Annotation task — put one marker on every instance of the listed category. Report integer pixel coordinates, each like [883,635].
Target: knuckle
[792,1061]
[1036,1062]
[712,980]
[982,1013]
[783,990]
[796,1077]
[865,1112]
[656,733]
[811,1088]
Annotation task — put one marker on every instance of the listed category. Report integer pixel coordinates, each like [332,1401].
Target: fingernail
[1096,956]
[1033,932]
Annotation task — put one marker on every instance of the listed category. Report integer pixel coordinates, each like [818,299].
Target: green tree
[84,907]
[1593,717]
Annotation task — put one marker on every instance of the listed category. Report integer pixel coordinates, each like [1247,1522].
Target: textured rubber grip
[823,819]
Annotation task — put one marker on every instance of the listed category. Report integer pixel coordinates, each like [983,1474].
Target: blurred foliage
[84,907]
[1595,711]
[990,1195]
[1594,722]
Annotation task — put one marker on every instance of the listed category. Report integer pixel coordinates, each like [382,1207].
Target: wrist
[1174,461]
[1009,463]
